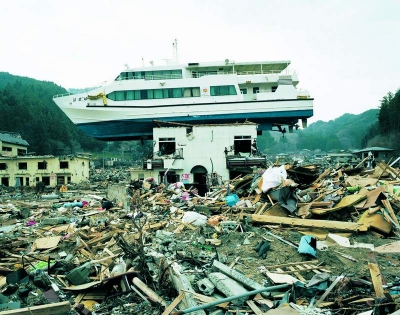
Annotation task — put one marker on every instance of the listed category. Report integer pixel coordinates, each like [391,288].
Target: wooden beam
[376,275]
[325,224]
[47,309]
[174,303]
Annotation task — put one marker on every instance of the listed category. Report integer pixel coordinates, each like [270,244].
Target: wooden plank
[47,309]
[291,264]
[346,201]
[254,308]
[322,298]
[376,275]
[79,298]
[388,206]
[326,224]
[296,272]
[300,268]
[316,271]
[174,303]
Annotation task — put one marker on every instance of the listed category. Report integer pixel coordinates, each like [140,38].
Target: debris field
[284,240]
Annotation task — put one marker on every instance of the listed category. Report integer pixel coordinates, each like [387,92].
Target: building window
[64,164]
[46,180]
[242,144]
[170,177]
[22,166]
[3,166]
[222,90]
[167,146]
[42,166]
[68,179]
[21,152]
[6,149]
[5,181]
[60,180]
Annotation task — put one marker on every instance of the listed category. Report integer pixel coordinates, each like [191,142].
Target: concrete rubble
[283,240]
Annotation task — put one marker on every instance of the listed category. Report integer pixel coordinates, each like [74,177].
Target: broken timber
[47,309]
[326,224]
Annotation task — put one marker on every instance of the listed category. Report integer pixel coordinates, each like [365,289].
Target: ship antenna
[175,48]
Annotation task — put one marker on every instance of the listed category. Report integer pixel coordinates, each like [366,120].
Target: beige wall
[14,149]
[29,170]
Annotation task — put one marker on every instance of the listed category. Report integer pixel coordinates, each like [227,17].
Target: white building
[201,155]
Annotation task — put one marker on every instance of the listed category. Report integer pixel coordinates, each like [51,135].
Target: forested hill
[347,132]
[27,108]
[342,133]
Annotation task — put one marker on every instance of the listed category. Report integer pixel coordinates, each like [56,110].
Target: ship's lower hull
[142,128]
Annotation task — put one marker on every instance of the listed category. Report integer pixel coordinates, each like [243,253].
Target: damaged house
[19,169]
[201,155]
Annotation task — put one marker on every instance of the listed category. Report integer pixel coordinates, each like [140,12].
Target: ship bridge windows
[154,94]
[150,75]
[221,90]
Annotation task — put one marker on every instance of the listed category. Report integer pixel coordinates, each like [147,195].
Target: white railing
[201,74]
[152,77]
[61,95]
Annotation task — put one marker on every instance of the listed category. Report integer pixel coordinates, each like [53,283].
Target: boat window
[256,89]
[150,94]
[243,91]
[177,92]
[130,95]
[158,94]
[196,92]
[154,94]
[222,90]
[273,89]
[119,95]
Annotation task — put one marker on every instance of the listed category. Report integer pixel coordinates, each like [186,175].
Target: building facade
[19,169]
[201,155]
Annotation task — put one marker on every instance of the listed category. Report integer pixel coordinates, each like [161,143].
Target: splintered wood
[282,273]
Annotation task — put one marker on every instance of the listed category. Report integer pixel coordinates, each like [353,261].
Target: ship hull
[122,127]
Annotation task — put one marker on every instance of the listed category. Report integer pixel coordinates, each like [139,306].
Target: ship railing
[202,74]
[61,95]
[152,77]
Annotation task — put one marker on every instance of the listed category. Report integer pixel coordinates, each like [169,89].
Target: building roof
[372,149]
[14,138]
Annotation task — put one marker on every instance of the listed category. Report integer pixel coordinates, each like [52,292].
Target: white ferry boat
[194,93]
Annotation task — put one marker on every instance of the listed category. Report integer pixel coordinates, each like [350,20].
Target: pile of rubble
[285,240]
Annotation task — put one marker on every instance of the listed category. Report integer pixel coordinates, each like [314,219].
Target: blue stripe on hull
[143,128]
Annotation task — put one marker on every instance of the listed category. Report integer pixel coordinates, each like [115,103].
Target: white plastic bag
[191,217]
[273,177]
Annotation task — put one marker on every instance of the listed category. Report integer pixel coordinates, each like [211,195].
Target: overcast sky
[345,52]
